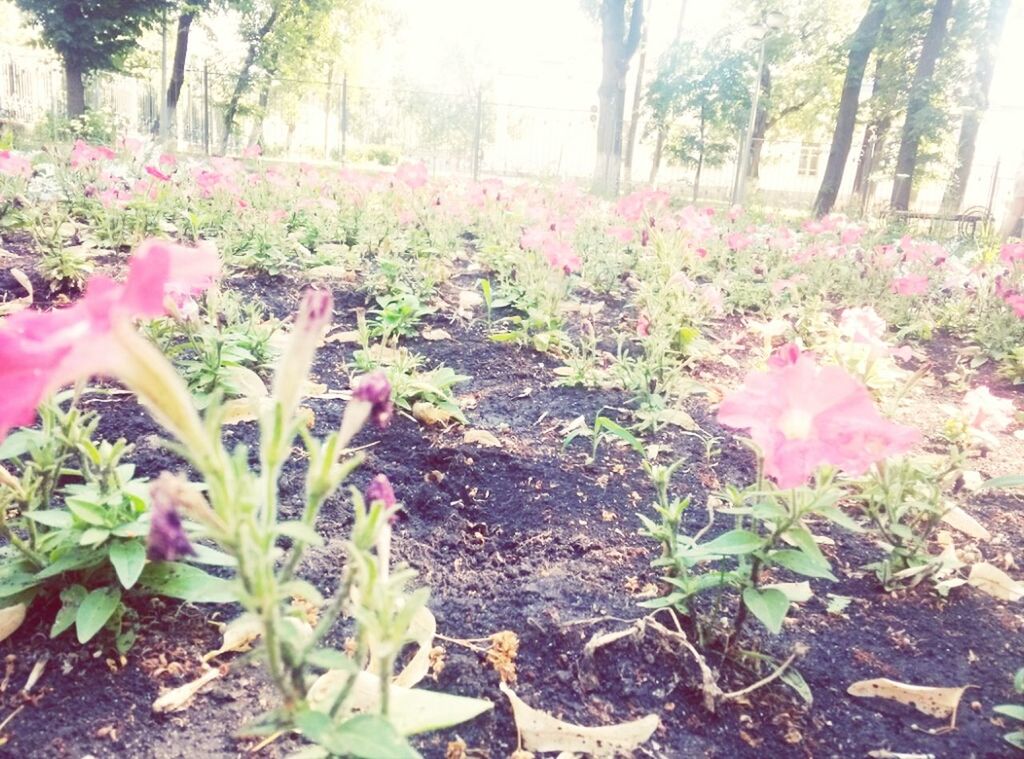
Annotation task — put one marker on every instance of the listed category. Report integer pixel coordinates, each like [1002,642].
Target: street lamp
[772,21]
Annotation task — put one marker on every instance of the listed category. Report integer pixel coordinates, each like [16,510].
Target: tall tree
[186,16]
[699,101]
[986,44]
[919,103]
[861,45]
[91,35]
[634,114]
[620,38]
[659,143]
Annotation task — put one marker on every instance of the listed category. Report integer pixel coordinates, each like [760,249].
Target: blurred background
[728,100]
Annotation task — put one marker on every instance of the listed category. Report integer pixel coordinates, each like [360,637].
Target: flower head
[803,416]
[380,489]
[912,284]
[43,351]
[413,175]
[167,540]
[985,414]
[375,389]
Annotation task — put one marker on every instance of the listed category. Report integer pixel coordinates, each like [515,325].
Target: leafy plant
[76,518]
[1014,711]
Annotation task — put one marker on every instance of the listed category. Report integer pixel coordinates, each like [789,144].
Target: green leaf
[18,443]
[211,557]
[331,658]
[128,558]
[186,582]
[94,536]
[79,558]
[730,543]
[71,598]
[795,680]
[57,518]
[839,517]
[87,512]
[769,606]
[1015,739]
[801,563]
[1010,710]
[1009,481]
[95,610]
[366,736]
[301,532]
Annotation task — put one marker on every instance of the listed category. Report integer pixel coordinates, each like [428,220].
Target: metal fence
[467,133]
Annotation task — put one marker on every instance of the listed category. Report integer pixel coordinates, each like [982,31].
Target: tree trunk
[256,133]
[988,45]
[917,103]
[178,73]
[760,123]
[659,146]
[244,78]
[659,143]
[700,158]
[634,116]
[861,45]
[618,46]
[75,85]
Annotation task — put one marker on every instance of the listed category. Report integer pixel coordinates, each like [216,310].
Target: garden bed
[527,533]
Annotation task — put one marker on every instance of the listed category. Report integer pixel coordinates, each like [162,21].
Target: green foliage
[1015,712]
[218,349]
[703,94]
[75,518]
[93,35]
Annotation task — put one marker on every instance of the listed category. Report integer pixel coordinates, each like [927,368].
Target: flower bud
[167,540]
[312,319]
[376,390]
[380,489]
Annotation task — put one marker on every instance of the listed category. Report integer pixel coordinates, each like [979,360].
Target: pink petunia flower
[560,255]
[154,172]
[1011,253]
[412,175]
[14,166]
[986,413]
[43,351]
[863,325]
[803,416]
[912,284]
[622,234]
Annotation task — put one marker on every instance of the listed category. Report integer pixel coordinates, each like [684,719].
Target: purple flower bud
[167,540]
[380,489]
[376,390]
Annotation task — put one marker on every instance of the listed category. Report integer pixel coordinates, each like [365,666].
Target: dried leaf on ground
[429,414]
[238,635]
[994,581]
[421,630]
[540,732]
[960,520]
[481,437]
[936,702]
[239,410]
[434,335]
[11,618]
[177,699]
[18,304]
[343,336]
[468,300]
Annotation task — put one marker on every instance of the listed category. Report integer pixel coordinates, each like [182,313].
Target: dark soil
[535,539]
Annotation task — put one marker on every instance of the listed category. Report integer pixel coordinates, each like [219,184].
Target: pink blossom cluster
[14,166]
[803,416]
[41,352]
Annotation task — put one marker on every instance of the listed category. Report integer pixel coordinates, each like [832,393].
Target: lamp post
[772,21]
